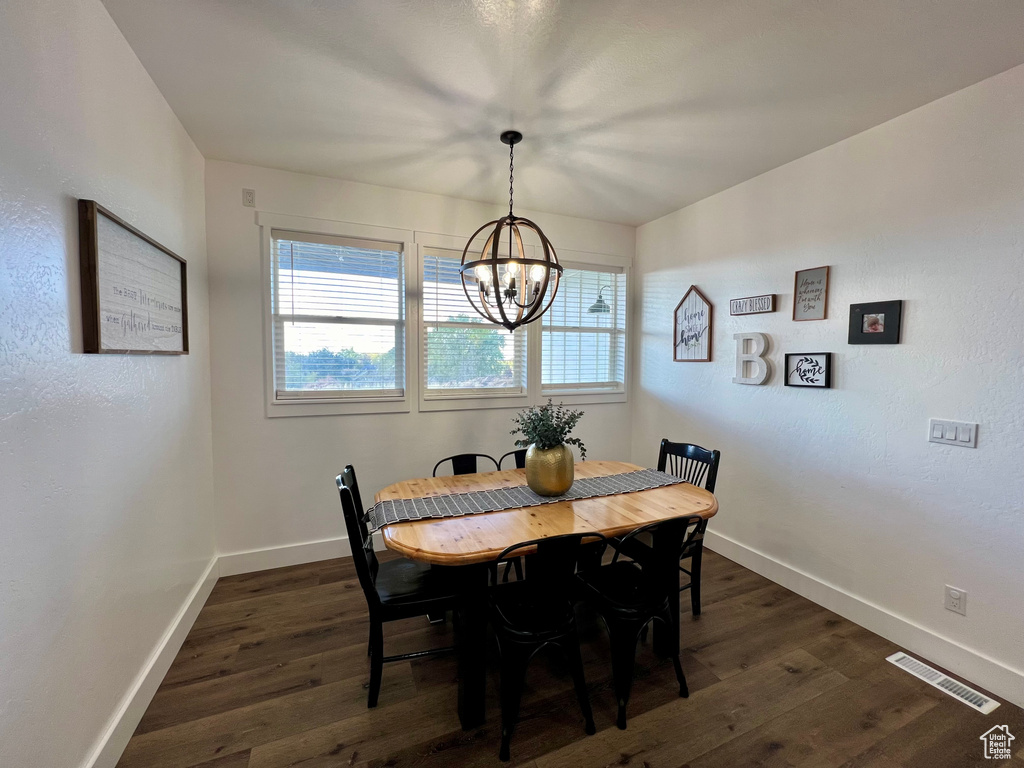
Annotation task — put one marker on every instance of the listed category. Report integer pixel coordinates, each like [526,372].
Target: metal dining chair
[630,594]
[530,614]
[519,455]
[465,463]
[394,590]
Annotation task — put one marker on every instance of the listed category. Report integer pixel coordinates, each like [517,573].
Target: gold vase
[549,471]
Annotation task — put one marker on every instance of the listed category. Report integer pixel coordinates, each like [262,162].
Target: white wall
[275,477]
[841,485]
[105,480]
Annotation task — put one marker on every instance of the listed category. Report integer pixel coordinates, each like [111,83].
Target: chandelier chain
[511,159]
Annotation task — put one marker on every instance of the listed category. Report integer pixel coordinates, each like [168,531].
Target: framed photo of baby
[875,323]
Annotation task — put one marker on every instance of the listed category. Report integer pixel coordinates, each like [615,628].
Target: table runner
[477,502]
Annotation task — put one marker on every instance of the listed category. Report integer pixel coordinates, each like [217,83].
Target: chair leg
[513,675]
[684,691]
[695,563]
[623,636]
[571,647]
[376,661]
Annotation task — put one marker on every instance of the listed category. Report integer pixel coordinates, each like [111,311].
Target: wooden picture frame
[692,328]
[877,322]
[810,294]
[134,290]
[752,305]
[811,370]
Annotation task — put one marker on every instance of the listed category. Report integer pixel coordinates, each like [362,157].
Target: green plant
[547,426]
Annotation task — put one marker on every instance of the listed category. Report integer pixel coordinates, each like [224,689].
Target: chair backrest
[667,539]
[520,458]
[692,463]
[552,567]
[359,536]
[465,463]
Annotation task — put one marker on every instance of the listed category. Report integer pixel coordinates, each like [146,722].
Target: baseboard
[233,563]
[973,666]
[111,744]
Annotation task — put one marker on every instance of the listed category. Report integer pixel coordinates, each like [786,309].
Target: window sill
[468,402]
[582,396]
[336,407]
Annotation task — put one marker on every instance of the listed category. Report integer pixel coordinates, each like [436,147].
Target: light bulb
[508,277]
[482,272]
[537,272]
[513,267]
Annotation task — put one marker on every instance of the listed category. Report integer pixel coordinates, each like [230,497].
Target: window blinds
[583,350]
[462,352]
[338,311]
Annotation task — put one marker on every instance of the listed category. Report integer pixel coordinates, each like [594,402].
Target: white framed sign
[692,328]
[810,294]
[134,290]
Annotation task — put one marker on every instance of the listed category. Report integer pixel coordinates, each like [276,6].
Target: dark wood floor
[273,674]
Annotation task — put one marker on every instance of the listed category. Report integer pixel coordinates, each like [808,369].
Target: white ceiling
[630,109]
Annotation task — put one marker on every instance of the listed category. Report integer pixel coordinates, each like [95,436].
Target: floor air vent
[956,689]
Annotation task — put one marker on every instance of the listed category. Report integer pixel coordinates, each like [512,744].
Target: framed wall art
[809,369]
[810,294]
[752,305]
[876,323]
[134,290]
[692,328]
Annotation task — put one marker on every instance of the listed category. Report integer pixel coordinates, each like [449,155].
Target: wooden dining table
[471,542]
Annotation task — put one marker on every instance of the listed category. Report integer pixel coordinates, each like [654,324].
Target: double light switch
[962,433]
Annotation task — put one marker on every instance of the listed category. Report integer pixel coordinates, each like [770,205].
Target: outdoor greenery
[347,369]
[466,357]
[547,426]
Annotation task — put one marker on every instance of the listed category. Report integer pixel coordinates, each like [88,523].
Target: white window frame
[332,406]
[459,400]
[569,394]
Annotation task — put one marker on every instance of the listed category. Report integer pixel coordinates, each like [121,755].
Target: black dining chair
[697,466]
[394,590]
[536,612]
[630,594]
[466,463]
[519,454]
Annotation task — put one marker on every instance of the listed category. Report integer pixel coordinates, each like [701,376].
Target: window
[338,308]
[584,333]
[463,354]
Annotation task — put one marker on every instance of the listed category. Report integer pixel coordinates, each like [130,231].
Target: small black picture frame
[877,322]
[809,369]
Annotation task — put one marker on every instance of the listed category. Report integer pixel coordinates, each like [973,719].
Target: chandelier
[502,284]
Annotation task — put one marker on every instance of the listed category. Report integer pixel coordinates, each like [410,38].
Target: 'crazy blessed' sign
[752,305]
[692,328]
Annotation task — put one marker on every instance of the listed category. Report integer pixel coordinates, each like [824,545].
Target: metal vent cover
[972,698]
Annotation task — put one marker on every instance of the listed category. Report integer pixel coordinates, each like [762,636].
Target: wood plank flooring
[274,674]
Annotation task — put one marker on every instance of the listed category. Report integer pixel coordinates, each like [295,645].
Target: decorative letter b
[753,361]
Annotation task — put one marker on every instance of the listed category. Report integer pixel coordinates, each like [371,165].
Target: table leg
[666,639]
[471,645]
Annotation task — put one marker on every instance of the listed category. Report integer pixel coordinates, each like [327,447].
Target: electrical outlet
[249,198]
[956,600]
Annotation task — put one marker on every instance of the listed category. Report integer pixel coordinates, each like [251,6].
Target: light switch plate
[962,433]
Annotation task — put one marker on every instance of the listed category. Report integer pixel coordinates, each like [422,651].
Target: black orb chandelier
[502,284]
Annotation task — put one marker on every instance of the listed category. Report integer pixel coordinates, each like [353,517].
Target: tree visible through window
[463,352]
[338,306]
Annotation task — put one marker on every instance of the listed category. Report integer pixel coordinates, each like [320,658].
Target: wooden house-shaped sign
[692,328]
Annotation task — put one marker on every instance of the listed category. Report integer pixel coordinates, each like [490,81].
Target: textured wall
[105,476]
[841,484]
[274,477]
